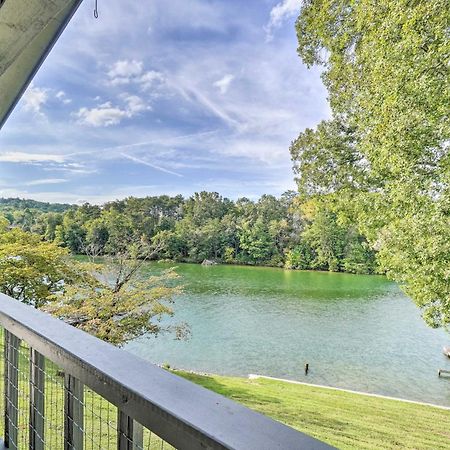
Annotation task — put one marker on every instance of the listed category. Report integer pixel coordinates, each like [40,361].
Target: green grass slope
[342,419]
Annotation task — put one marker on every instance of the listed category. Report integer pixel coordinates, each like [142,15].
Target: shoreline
[252,376]
[262,266]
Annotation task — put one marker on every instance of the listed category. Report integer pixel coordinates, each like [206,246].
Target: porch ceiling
[28,30]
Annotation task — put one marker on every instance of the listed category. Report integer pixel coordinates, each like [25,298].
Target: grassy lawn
[345,420]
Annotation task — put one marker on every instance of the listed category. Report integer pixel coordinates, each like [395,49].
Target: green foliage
[326,161]
[256,242]
[117,307]
[71,233]
[32,270]
[382,162]
[15,204]
[328,239]
[300,257]
[229,255]
[114,300]
[270,231]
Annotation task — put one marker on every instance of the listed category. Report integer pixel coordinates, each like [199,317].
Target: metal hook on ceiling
[96,9]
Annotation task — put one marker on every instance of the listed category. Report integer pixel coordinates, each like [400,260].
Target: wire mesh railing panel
[23,387]
[100,422]
[40,402]
[2,383]
[47,408]
[151,441]
[54,407]
[101,428]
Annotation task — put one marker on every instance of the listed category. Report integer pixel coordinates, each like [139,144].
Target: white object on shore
[253,376]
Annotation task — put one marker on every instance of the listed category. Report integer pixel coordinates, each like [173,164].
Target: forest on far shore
[281,232]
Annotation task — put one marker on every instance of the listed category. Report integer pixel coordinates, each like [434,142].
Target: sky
[164,97]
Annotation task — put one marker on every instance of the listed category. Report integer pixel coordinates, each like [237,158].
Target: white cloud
[149,79]
[22,157]
[71,168]
[279,13]
[132,72]
[61,96]
[46,181]
[123,71]
[258,150]
[34,98]
[105,114]
[135,105]
[224,83]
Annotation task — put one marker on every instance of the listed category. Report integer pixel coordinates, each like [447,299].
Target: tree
[300,257]
[385,65]
[256,242]
[119,303]
[205,226]
[327,239]
[204,206]
[327,161]
[71,233]
[51,221]
[115,301]
[32,270]
[97,237]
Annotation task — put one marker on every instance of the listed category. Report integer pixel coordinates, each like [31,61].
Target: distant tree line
[282,232]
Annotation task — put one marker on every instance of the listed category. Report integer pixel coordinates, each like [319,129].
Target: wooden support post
[37,400]
[11,392]
[73,414]
[130,434]
[138,436]
[124,431]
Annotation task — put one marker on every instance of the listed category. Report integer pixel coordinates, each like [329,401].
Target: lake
[355,331]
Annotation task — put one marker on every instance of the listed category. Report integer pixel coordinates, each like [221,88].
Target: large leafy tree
[32,270]
[383,159]
[119,300]
[116,301]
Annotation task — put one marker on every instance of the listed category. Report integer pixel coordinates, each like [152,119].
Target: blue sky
[164,97]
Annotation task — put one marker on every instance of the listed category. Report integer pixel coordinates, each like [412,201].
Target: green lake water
[355,331]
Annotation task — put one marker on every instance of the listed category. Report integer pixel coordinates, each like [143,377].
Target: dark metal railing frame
[185,415]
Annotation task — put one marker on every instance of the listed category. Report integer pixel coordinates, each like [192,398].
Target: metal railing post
[37,400]
[11,375]
[130,434]
[73,413]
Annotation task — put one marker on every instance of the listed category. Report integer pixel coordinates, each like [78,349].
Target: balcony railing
[65,389]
